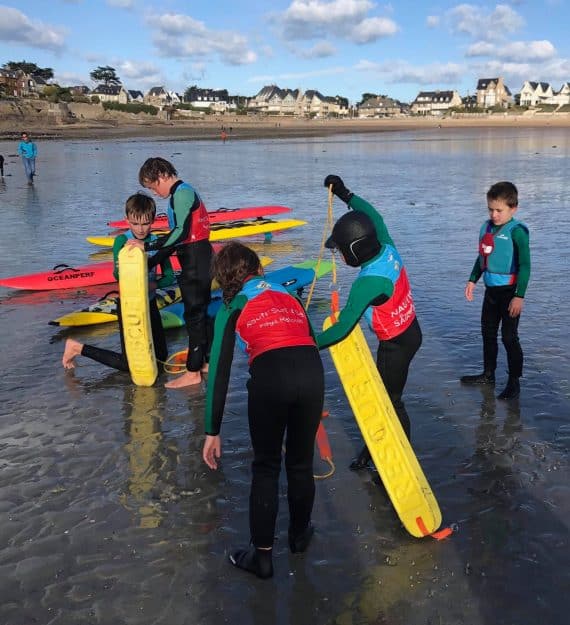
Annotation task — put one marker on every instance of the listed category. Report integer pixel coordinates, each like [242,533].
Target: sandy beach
[123,126]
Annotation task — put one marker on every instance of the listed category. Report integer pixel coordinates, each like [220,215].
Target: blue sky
[340,47]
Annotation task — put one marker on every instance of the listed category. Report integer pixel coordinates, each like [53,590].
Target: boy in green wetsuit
[140,211]
[381,293]
[189,236]
[504,263]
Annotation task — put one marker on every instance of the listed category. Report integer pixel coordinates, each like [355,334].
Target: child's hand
[212,450]
[469,291]
[135,243]
[516,306]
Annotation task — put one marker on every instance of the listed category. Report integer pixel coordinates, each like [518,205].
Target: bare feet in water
[72,349]
[189,378]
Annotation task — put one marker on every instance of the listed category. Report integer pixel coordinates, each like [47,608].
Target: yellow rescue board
[245,229]
[389,447]
[133,295]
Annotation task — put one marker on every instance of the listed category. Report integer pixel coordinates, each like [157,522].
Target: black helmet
[354,235]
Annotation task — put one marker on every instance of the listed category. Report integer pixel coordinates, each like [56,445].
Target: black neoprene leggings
[119,360]
[195,286]
[495,312]
[285,395]
[393,361]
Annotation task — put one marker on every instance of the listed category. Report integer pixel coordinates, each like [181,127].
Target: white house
[536,93]
[435,102]
[111,93]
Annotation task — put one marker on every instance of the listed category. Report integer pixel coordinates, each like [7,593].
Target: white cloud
[432,21]
[554,71]
[137,70]
[373,28]
[121,4]
[182,36]
[404,72]
[18,28]
[310,19]
[274,79]
[515,52]
[320,50]
[478,23]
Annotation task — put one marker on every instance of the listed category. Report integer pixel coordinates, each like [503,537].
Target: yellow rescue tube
[387,442]
[135,317]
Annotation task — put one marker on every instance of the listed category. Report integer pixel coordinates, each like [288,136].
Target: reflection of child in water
[140,211]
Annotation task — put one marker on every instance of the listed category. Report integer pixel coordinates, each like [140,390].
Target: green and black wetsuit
[381,294]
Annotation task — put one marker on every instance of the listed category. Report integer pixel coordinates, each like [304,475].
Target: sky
[339,47]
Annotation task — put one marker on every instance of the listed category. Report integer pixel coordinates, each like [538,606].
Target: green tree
[106,74]
[30,68]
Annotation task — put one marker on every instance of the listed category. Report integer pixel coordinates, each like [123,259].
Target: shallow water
[107,512]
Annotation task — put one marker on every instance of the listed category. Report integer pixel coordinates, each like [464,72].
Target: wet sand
[239,127]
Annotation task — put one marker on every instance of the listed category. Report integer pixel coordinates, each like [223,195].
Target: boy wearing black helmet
[381,293]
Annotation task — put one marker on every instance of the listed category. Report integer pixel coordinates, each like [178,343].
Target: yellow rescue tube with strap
[385,438]
[135,317]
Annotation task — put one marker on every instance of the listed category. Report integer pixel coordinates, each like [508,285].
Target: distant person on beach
[504,263]
[285,396]
[381,293]
[189,237]
[1,166]
[140,211]
[28,150]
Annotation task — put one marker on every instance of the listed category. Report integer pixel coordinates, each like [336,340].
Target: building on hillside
[215,99]
[136,96]
[111,93]
[157,96]
[260,102]
[435,102]
[12,83]
[536,93]
[379,106]
[492,92]
[79,90]
[562,96]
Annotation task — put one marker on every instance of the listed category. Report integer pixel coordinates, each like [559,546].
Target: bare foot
[205,368]
[189,378]
[72,349]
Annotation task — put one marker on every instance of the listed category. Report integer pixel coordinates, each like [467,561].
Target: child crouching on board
[140,210]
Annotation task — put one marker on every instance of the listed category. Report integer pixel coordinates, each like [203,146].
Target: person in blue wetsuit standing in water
[285,397]
[28,150]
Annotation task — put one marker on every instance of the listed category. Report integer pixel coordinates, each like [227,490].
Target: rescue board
[66,277]
[223,231]
[217,216]
[135,316]
[293,277]
[104,310]
[389,446]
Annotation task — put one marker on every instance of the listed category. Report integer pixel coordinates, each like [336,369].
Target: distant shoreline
[240,128]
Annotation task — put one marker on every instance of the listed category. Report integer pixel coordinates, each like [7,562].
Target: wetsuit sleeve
[522,252]
[167,277]
[364,292]
[476,271]
[118,245]
[184,201]
[220,365]
[358,204]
